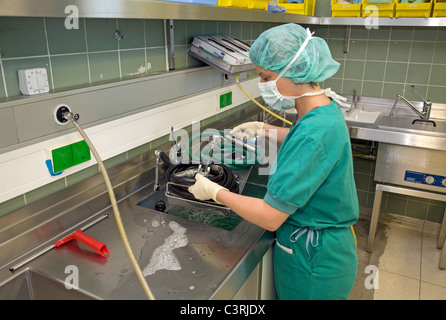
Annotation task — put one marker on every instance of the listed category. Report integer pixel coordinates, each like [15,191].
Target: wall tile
[62,40]
[104,66]
[8,130]
[422,51]
[133,63]
[154,31]
[70,70]
[22,37]
[134,33]
[100,34]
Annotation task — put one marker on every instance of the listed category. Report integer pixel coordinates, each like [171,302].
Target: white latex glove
[205,189]
[248,130]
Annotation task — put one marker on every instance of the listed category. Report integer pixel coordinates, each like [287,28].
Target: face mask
[269,91]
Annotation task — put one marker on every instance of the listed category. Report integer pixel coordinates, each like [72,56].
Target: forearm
[254,210]
[279,133]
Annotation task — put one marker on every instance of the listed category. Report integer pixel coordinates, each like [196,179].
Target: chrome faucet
[156,186]
[354,100]
[427,105]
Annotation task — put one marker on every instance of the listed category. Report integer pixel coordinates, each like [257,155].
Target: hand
[248,130]
[205,189]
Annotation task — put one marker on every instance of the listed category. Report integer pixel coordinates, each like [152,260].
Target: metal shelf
[151,9]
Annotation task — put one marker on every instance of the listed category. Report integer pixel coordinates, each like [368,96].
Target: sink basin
[208,215]
[404,124]
[34,285]
[361,116]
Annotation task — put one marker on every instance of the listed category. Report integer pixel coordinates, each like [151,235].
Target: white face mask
[271,94]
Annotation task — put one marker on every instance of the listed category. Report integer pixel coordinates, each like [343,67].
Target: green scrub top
[313,179]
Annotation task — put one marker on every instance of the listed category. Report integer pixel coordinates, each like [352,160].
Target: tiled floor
[407,263]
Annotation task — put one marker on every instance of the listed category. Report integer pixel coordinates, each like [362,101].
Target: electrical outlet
[62,158]
[81,152]
[225,100]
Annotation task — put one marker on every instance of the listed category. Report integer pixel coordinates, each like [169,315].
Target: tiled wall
[91,55]
[385,62]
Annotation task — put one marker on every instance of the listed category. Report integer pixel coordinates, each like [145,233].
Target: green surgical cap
[276,47]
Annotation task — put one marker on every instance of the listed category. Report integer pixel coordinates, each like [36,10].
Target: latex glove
[248,130]
[205,189]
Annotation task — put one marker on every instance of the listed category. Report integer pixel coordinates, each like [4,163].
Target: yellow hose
[125,240]
[267,110]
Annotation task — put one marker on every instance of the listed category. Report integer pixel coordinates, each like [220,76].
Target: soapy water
[163,256]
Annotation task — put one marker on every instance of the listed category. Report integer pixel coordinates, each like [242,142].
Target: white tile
[402,254]
[431,291]
[393,286]
[429,263]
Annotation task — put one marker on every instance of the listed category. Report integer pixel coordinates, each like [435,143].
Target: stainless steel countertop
[214,263]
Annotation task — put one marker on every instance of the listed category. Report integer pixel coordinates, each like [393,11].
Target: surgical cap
[276,47]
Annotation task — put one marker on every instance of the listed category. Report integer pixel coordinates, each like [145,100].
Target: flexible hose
[182,176]
[125,240]
[258,104]
[249,158]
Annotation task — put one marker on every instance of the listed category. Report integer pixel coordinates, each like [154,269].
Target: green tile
[362,166]
[133,63]
[438,75]
[349,85]
[401,33]
[362,181]
[246,31]
[180,32]
[157,59]
[334,84]
[396,72]
[11,68]
[362,197]
[359,32]
[435,211]
[134,33]
[194,28]
[416,209]
[425,33]
[354,69]
[418,73]
[224,28]
[21,37]
[236,30]
[340,72]
[357,49]
[439,53]
[396,205]
[422,52]
[104,66]
[374,70]
[256,30]
[62,40]
[2,84]
[336,32]
[390,90]
[180,57]
[210,28]
[436,94]
[383,33]
[372,89]
[336,48]
[399,51]
[70,70]
[377,50]
[100,34]
[154,30]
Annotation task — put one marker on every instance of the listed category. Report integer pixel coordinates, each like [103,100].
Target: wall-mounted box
[64,157]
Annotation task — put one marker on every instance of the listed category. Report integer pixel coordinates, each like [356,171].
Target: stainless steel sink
[31,284]
[405,124]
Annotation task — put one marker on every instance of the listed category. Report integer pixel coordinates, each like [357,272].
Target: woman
[311,199]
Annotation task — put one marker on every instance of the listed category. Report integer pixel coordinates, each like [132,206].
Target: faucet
[354,100]
[424,114]
[156,187]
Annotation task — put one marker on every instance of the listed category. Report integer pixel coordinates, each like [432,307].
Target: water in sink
[201,214]
[404,124]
